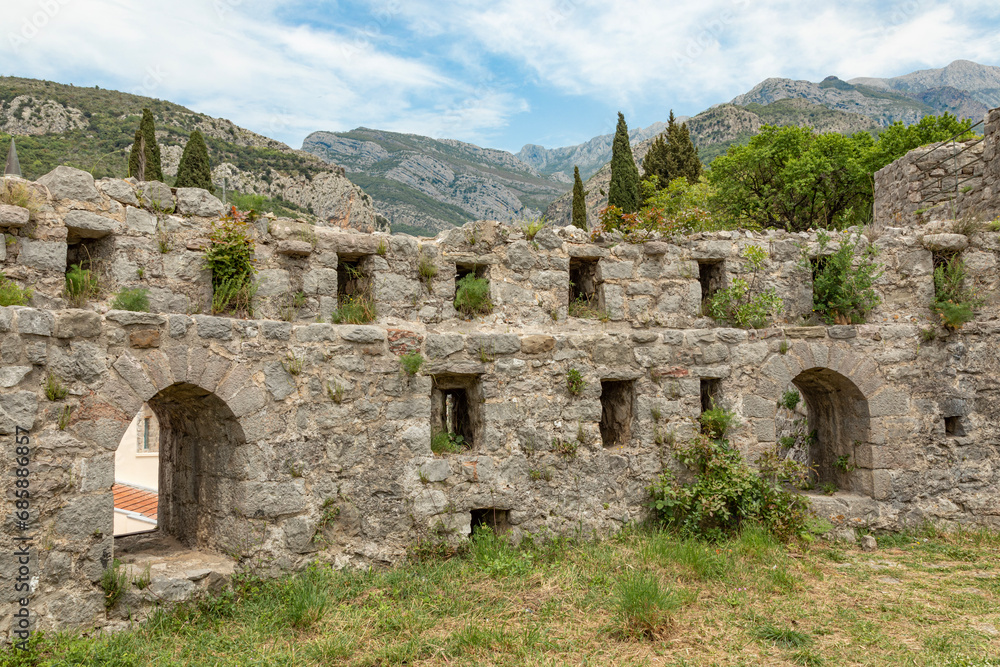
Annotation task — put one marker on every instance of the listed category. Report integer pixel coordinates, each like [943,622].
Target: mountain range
[370,179]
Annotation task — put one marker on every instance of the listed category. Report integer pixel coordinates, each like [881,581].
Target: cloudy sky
[499,73]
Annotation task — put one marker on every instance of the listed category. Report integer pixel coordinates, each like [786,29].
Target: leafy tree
[579,201]
[194,170]
[144,161]
[897,140]
[790,178]
[623,192]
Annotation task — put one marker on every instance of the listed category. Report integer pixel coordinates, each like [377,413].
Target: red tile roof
[135,500]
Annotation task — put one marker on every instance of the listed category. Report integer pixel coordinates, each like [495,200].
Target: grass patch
[639,597]
[359,310]
[472,296]
[12,294]
[136,300]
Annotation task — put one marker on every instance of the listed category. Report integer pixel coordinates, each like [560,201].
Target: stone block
[18,409]
[805,332]
[320,281]
[271,499]
[11,376]
[610,270]
[294,248]
[758,408]
[128,318]
[43,255]
[198,202]
[144,338]
[13,216]
[140,221]
[77,324]
[220,328]
[273,282]
[437,470]
[119,190]
[276,330]
[69,183]
[945,242]
[520,256]
[362,334]
[83,516]
[278,381]
[36,322]
[87,225]
[492,344]
[155,195]
[889,403]
[179,325]
[439,346]
[537,344]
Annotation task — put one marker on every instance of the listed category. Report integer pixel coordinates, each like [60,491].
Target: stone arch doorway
[199,441]
[839,419]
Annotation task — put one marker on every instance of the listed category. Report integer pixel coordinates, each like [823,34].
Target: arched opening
[195,437]
[834,433]
[199,436]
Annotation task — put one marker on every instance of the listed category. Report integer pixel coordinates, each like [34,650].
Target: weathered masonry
[306,440]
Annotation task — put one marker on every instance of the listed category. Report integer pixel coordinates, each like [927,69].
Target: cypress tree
[579,201]
[623,191]
[659,162]
[194,170]
[688,163]
[144,161]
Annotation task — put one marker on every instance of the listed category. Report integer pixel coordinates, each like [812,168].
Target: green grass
[12,294]
[136,300]
[641,597]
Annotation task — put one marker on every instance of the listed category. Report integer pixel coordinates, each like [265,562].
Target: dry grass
[922,599]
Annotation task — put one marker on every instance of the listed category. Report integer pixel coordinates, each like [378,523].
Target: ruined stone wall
[942,181]
[307,440]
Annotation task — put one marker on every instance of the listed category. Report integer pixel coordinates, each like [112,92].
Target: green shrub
[790,399]
[472,296]
[716,422]
[843,282]
[427,270]
[532,226]
[954,303]
[11,294]
[81,285]
[354,310]
[447,443]
[575,382]
[726,495]
[743,303]
[136,300]
[412,362]
[230,259]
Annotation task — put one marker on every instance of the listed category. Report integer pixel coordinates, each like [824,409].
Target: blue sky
[499,74]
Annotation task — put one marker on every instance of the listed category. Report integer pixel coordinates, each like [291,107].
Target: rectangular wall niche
[477,270]
[354,278]
[617,399]
[712,276]
[583,281]
[709,393]
[953,427]
[457,407]
[491,517]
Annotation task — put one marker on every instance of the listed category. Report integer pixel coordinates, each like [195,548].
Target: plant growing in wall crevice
[472,296]
[843,281]
[230,257]
[744,303]
[954,303]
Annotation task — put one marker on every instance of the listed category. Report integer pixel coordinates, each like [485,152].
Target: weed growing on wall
[136,300]
[412,362]
[81,285]
[231,260]
[12,294]
[843,281]
[744,304]
[472,296]
[954,303]
[726,493]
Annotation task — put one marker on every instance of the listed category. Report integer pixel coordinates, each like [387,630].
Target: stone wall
[270,427]
[942,181]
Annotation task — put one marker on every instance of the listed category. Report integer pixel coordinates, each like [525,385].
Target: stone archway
[199,439]
[839,420]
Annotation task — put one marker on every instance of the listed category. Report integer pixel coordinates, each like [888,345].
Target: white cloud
[234,58]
